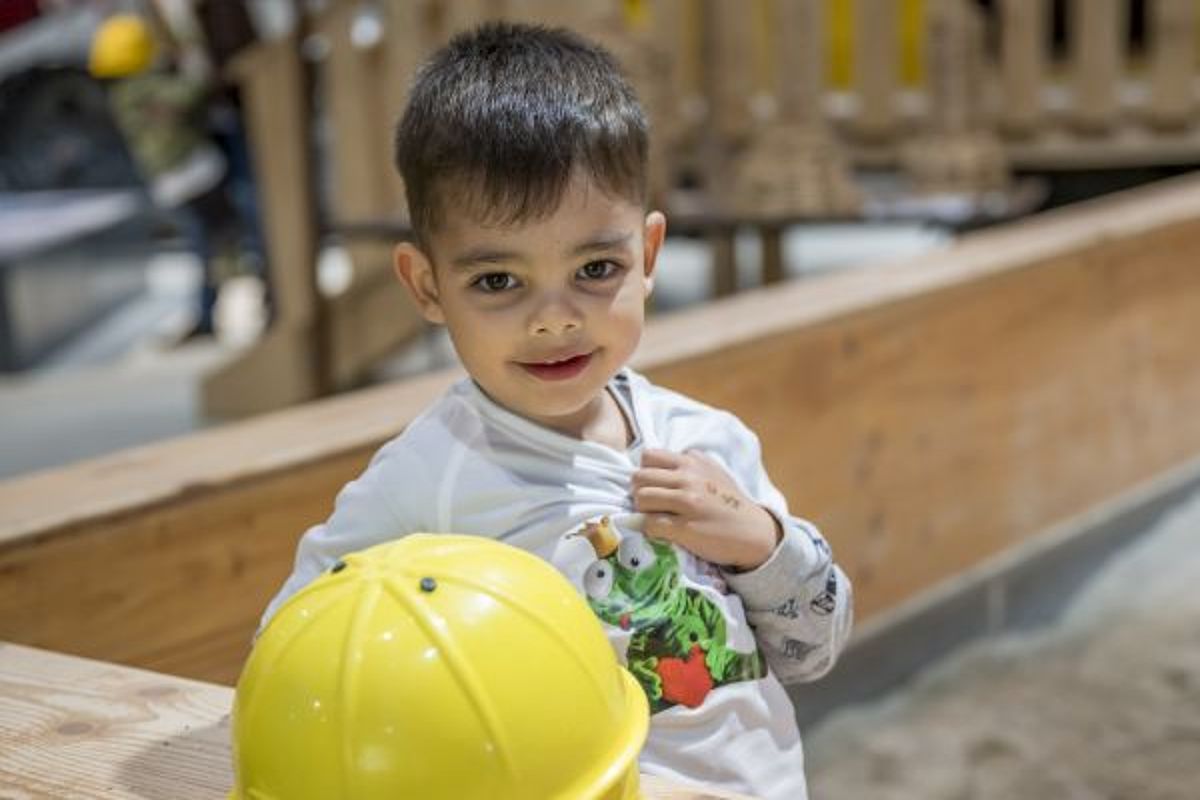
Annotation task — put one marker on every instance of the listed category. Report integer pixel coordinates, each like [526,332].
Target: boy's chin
[558,412]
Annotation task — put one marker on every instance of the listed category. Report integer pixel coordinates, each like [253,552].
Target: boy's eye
[598,270]
[494,282]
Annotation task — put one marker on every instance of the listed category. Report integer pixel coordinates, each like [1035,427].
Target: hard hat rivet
[338,567]
[428,584]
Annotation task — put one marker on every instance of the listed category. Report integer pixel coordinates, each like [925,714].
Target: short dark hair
[505,113]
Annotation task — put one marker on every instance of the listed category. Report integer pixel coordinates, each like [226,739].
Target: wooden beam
[1172,27]
[280,370]
[928,415]
[730,74]
[371,318]
[287,366]
[875,61]
[361,112]
[799,77]
[1023,43]
[365,93]
[1097,31]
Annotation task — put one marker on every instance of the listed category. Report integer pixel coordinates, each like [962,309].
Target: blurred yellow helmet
[437,667]
[122,46]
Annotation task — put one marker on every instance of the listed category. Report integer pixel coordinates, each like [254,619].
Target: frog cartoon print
[677,649]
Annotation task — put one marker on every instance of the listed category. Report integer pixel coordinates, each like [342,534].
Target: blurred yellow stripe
[637,14]
[839,26]
[840,31]
[912,42]
[764,44]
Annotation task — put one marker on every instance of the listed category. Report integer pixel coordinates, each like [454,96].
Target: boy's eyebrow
[607,240]
[490,255]
[482,255]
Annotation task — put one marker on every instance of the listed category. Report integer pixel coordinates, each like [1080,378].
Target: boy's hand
[690,500]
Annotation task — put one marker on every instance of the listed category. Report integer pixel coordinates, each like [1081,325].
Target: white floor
[122,384]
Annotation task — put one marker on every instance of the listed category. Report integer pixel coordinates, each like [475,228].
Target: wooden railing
[768,106]
[1065,83]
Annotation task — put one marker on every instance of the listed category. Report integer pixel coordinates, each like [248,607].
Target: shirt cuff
[779,578]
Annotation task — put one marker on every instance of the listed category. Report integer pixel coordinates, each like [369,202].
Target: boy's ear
[415,271]
[655,233]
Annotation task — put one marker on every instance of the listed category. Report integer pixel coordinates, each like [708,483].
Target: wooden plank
[773,266]
[280,370]
[1098,32]
[407,44]
[1023,45]
[729,72]
[73,727]
[1172,62]
[875,60]
[371,318]
[927,414]
[723,243]
[177,588]
[358,125]
[288,365]
[656,788]
[1125,145]
[271,78]
[799,77]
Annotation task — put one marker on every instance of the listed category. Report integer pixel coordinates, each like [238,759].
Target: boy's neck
[613,427]
[603,422]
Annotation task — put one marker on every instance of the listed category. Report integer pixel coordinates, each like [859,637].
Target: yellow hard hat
[122,46]
[437,666]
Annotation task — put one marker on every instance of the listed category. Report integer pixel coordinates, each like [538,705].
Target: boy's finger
[661,458]
[656,499]
[657,476]
[666,526]
[707,460]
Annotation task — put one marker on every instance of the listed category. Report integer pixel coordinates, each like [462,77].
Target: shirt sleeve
[799,601]
[374,508]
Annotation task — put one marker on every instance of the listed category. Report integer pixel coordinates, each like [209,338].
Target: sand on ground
[1103,705]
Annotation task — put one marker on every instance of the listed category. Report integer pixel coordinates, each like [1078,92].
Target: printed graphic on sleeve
[678,649]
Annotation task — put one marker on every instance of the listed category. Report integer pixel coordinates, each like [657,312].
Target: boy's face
[541,314]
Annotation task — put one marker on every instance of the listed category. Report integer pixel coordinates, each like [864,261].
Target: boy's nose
[555,317]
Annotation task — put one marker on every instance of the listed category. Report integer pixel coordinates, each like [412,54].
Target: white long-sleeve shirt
[709,646]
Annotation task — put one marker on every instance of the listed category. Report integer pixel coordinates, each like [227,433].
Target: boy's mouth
[559,370]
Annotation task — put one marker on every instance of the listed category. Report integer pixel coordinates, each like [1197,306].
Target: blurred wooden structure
[1081,93]
[74,727]
[763,108]
[929,415]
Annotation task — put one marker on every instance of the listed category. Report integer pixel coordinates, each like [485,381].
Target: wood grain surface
[76,728]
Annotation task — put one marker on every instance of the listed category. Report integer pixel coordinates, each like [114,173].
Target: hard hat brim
[627,746]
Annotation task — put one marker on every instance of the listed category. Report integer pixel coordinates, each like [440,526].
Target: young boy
[523,152]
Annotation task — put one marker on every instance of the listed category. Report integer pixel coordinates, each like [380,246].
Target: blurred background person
[164,114]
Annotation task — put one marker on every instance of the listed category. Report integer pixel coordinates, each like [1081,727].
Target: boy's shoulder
[669,405]
[680,422]
[450,417]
